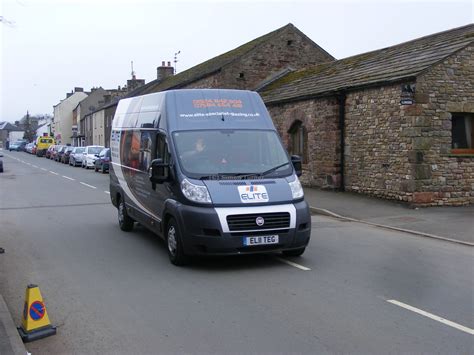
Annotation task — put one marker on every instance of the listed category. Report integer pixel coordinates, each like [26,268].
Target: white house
[63,117]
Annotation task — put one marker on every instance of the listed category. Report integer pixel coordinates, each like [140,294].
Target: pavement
[453,224]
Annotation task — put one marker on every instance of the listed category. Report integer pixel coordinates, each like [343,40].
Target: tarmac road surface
[357,289]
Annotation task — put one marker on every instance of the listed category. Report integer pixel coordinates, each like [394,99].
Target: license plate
[261,240]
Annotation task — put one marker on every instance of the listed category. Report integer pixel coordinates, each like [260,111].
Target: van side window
[162,148]
[146,144]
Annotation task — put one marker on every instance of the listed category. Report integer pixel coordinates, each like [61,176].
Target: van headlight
[195,193]
[296,188]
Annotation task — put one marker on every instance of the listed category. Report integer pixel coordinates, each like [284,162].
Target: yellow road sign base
[37,333]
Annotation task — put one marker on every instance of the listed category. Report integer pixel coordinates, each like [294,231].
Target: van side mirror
[159,172]
[296,160]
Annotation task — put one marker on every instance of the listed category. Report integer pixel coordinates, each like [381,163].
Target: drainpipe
[341,98]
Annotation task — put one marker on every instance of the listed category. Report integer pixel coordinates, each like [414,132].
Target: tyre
[125,221]
[294,252]
[174,244]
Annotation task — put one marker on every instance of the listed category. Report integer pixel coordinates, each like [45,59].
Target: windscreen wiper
[266,172]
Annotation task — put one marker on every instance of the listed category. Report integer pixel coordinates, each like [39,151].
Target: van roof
[194,109]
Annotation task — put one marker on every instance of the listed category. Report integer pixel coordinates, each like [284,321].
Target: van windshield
[231,153]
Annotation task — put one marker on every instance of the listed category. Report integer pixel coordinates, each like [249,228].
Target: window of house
[462,133]
[298,140]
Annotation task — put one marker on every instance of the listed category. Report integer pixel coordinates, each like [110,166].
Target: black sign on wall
[407,94]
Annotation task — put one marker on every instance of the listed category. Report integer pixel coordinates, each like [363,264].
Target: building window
[298,139]
[462,133]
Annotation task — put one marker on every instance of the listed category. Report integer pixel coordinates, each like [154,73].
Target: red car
[49,150]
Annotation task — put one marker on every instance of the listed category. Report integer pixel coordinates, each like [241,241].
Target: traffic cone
[35,322]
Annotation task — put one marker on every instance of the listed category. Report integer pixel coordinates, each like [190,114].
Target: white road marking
[432,316]
[52,172]
[291,263]
[69,178]
[92,187]
[44,169]
[107,192]
[35,166]
[28,164]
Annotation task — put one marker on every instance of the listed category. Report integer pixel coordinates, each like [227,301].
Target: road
[114,292]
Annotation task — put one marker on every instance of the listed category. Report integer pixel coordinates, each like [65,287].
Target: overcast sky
[49,47]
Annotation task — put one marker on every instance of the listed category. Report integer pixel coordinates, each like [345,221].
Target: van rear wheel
[174,244]
[294,252]
[125,221]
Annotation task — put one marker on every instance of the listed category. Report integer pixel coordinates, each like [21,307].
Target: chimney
[164,72]
[76,89]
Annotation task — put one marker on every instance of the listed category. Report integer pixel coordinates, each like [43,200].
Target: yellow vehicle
[42,144]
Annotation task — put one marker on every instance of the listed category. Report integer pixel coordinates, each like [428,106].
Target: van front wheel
[174,244]
[125,222]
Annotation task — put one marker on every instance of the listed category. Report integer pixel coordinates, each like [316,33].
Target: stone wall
[320,119]
[378,136]
[448,87]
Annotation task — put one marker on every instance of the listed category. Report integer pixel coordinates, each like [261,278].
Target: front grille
[248,221]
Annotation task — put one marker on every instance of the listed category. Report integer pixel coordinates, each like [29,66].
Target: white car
[90,155]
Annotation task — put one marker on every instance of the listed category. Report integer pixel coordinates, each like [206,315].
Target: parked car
[60,153]
[33,149]
[54,152]
[29,147]
[89,155]
[103,160]
[65,156]
[75,157]
[48,151]
[17,146]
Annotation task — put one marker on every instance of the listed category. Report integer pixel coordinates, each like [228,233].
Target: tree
[30,133]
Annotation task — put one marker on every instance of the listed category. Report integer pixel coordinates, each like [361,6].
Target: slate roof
[391,64]
[8,126]
[212,65]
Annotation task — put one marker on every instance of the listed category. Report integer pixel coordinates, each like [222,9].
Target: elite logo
[253,194]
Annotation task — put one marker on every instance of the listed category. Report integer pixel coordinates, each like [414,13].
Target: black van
[205,169]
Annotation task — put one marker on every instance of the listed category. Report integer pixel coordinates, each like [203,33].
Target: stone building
[249,66]
[396,123]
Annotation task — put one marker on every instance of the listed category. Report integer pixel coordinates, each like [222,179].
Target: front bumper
[202,233]
[90,162]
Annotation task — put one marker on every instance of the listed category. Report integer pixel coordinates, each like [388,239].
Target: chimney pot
[164,72]
[169,64]
[163,63]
